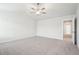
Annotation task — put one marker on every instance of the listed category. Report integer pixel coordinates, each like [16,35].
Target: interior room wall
[52,28]
[15,26]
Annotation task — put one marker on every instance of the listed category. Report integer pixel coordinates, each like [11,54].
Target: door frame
[75,27]
[74,24]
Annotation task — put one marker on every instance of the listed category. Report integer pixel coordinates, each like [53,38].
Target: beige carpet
[38,46]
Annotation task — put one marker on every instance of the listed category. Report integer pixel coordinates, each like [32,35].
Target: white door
[74,31]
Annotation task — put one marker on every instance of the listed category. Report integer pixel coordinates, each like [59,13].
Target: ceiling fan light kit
[38,9]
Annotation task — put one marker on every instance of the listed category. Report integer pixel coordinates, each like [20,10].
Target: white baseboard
[48,37]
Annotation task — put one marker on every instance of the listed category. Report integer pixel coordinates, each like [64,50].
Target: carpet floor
[38,46]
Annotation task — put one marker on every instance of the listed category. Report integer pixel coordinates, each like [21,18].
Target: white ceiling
[53,9]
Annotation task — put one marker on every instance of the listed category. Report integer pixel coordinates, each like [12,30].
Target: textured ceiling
[52,9]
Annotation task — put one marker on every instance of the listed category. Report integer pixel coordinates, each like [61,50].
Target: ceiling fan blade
[43,12]
[43,9]
[33,8]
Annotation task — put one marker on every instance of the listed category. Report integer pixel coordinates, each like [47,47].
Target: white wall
[52,28]
[15,26]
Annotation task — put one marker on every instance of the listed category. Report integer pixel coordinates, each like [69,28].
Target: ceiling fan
[38,9]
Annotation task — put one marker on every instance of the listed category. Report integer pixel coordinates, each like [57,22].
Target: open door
[70,31]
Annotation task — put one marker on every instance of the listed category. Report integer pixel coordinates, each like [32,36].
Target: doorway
[67,31]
